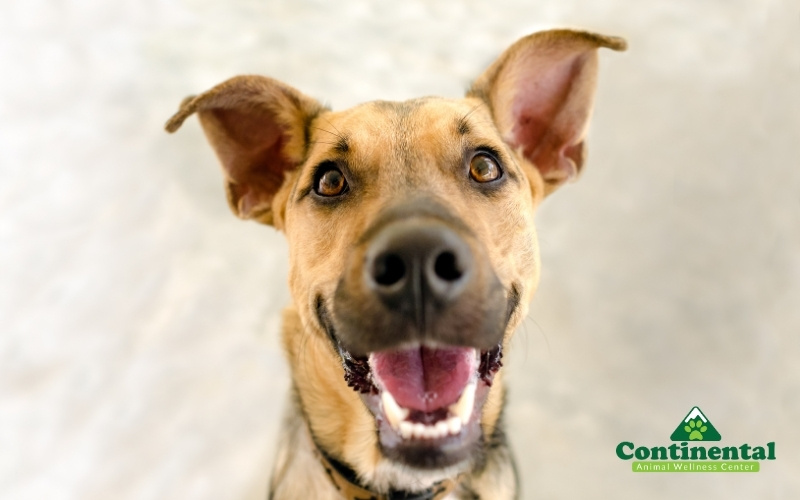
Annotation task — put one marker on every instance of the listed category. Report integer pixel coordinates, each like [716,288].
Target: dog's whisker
[339,132]
[336,134]
[328,132]
[538,329]
[464,119]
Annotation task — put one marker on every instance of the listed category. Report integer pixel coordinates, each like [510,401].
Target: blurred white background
[138,318]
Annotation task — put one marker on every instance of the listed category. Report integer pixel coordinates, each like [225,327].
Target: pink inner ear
[545,123]
[250,150]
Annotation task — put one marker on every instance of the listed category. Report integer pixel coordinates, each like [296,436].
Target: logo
[688,454]
[695,427]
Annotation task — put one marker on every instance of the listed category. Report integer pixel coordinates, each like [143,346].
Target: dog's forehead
[415,123]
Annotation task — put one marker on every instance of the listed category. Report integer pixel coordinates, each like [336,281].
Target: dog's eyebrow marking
[342,145]
[462,125]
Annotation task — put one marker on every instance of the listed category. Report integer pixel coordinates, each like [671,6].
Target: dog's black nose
[414,264]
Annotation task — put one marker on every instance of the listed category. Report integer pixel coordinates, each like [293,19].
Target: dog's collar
[345,480]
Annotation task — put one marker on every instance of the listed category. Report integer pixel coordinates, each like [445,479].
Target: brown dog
[413,257]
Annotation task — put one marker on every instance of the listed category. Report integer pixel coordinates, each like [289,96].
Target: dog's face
[412,244]
[413,251]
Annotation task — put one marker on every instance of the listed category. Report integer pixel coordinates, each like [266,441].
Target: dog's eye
[330,182]
[483,168]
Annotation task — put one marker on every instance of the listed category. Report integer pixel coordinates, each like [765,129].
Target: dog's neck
[344,479]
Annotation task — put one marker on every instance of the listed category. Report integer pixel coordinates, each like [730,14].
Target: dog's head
[413,252]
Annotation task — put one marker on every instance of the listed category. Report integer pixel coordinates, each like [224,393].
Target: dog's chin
[427,400]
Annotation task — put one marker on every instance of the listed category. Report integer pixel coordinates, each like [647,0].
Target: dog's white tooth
[454,425]
[426,432]
[394,413]
[418,430]
[406,429]
[463,407]
[441,428]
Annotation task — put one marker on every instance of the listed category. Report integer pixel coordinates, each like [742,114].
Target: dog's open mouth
[426,400]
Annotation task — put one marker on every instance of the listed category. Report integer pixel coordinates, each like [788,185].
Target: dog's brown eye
[483,168]
[330,183]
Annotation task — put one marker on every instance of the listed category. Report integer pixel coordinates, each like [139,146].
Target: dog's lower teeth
[417,430]
[454,425]
[406,429]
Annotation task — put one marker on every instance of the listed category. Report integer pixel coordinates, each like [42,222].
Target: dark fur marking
[342,145]
[324,319]
[462,127]
[513,301]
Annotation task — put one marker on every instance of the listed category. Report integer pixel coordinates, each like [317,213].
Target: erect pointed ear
[258,129]
[540,92]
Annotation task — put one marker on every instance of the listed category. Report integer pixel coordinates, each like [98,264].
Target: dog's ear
[258,128]
[540,92]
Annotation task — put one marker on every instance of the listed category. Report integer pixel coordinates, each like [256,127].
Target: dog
[412,258]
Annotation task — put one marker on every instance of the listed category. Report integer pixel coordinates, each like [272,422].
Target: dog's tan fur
[268,138]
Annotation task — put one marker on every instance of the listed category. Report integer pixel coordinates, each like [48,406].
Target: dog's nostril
[446,267]
[389,270]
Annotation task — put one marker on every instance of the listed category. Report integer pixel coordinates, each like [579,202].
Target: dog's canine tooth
[463,407]
[395,414]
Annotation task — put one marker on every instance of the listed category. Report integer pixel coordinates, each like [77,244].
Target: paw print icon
[695,430]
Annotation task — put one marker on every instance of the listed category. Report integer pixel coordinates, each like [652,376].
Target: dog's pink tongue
[423,378]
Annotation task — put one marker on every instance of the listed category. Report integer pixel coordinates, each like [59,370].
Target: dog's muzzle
[419,318]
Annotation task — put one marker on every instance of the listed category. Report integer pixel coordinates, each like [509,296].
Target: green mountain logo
[695,427]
